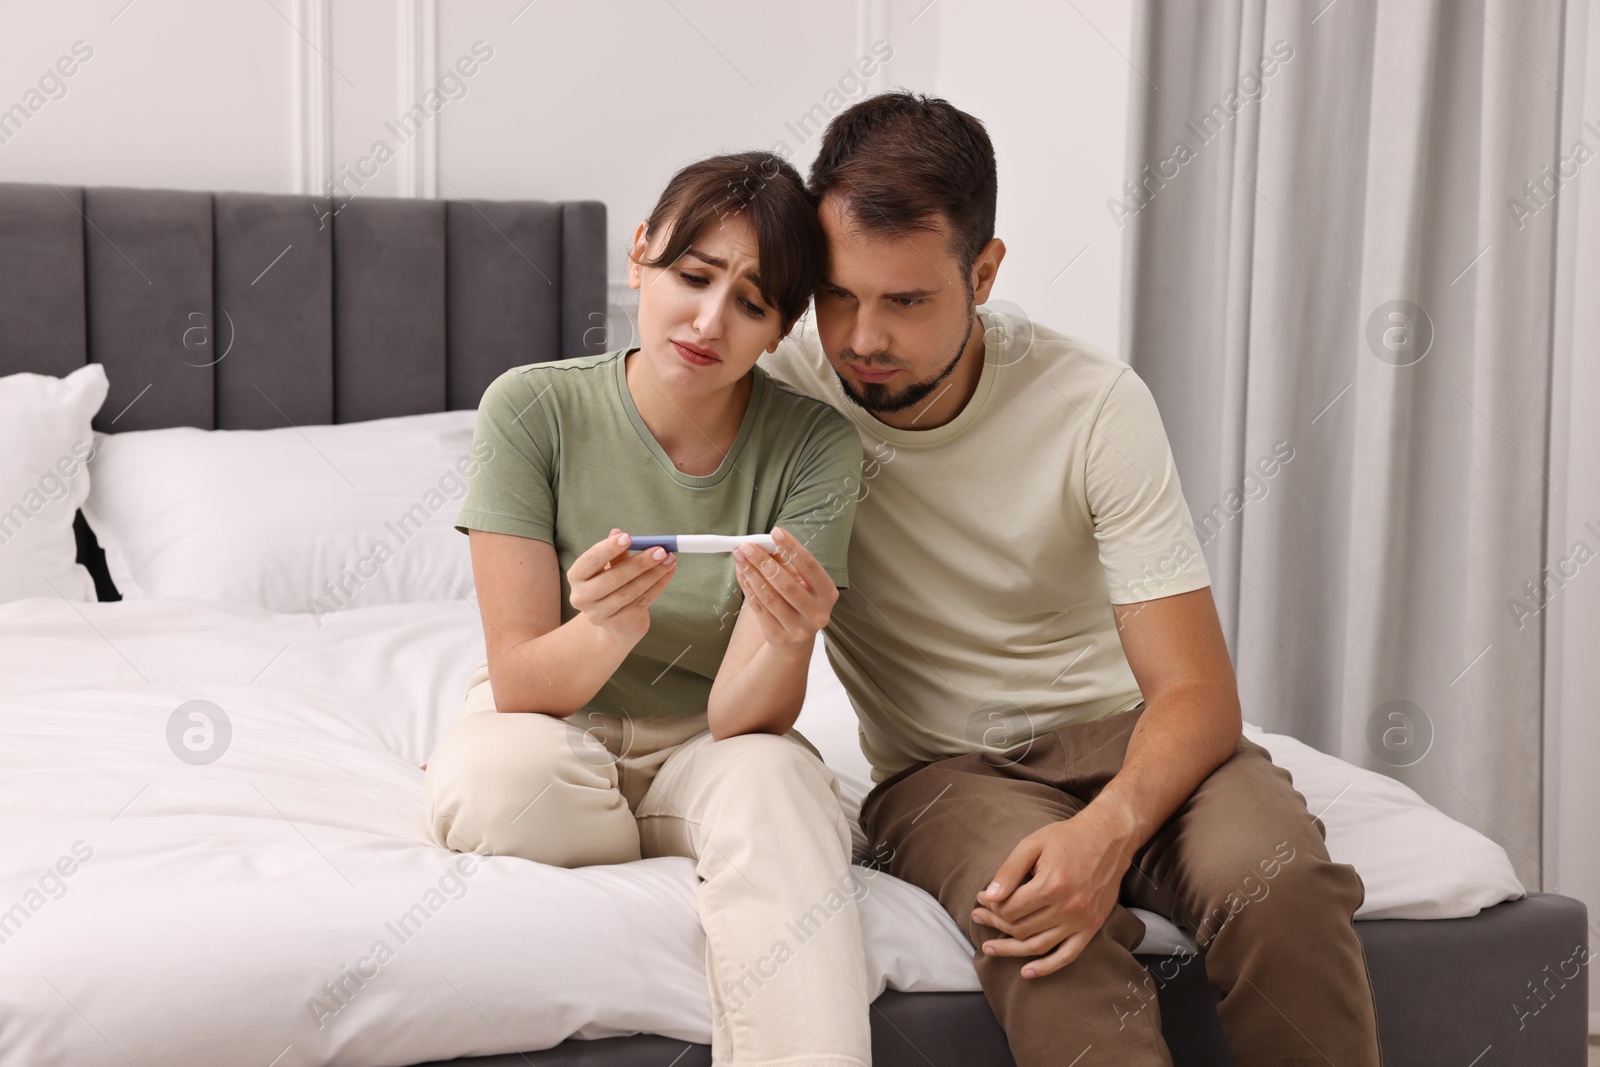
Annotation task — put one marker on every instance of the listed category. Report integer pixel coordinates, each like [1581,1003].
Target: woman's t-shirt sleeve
[512,489]
[820,505]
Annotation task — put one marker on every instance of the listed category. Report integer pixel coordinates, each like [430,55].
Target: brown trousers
[1241,864]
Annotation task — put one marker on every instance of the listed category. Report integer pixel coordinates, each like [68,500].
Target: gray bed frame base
[1449,993]
[252,311]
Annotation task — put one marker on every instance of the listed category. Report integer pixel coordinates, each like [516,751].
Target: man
[1032,648]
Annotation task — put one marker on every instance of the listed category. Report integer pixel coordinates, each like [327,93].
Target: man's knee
[951,861]
[1287,889]
[949,840]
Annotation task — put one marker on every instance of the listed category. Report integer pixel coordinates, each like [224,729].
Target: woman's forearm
[558,672]
[763,697]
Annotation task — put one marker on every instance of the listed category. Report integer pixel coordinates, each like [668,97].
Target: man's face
[894,312]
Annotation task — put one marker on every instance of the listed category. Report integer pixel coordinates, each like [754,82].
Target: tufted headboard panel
[252,311]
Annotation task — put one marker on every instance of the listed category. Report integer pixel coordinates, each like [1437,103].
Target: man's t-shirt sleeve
[820,505]
[1146,539]
[511,490]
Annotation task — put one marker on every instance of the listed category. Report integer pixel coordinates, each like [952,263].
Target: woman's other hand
[615,590]
[789,591]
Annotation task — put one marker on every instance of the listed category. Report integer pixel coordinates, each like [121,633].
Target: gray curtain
[1338,286]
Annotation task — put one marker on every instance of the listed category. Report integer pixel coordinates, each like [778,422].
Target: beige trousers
[758,813]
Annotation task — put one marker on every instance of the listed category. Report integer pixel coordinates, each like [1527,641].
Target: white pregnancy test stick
[703,542]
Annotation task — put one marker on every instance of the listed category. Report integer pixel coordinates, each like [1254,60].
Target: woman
[628,707]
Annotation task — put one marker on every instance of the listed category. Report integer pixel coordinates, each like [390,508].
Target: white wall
[585,100]
[1059,153]
[177,95]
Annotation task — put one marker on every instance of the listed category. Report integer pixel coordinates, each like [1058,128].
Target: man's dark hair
[790,243]
[902,161]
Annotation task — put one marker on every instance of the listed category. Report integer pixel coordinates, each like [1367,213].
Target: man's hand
[1077,870]
[1189,728]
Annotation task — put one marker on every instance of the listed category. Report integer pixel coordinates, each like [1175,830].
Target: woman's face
[702,320]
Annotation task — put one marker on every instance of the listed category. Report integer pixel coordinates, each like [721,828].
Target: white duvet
[282,906]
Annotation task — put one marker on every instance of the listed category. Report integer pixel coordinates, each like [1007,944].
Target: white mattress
[218,901]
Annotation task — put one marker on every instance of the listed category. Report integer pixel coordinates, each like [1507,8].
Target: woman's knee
[496,750]
[763,780]
[491,773]
[769,762]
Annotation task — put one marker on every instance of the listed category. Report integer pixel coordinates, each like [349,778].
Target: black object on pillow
[92,556]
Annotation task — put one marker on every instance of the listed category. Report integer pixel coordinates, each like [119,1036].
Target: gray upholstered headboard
[243,311]
[251,311]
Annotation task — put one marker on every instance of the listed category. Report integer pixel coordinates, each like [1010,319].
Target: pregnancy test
[703,542]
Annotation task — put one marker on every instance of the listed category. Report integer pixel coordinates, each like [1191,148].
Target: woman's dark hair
[790,243]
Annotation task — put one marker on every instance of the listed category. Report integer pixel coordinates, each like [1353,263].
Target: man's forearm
[1182,737]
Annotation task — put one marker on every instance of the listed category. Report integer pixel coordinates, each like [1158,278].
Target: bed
[228,908]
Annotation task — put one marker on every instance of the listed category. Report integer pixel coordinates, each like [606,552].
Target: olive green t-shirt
[572,458]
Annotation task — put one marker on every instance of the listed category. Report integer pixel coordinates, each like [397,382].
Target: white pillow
[45,441]
[1415,861]
[299,519]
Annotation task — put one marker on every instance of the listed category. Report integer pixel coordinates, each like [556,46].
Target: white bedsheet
[220,904]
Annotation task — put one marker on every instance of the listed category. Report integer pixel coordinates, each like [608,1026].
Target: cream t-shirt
[986,553]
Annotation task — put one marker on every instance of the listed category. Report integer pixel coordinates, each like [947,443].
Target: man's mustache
[876,361]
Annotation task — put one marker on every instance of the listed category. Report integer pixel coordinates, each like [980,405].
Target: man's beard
[876,397]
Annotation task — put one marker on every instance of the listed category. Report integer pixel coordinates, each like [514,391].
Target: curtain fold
[1338,288]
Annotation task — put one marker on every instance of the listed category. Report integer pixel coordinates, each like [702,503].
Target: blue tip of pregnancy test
[644,544]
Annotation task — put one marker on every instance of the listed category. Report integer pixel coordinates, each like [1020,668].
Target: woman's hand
[614,591]
[789,591]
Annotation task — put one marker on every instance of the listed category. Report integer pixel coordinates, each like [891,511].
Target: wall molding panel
[313,117]
[418,71]
[872,25]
